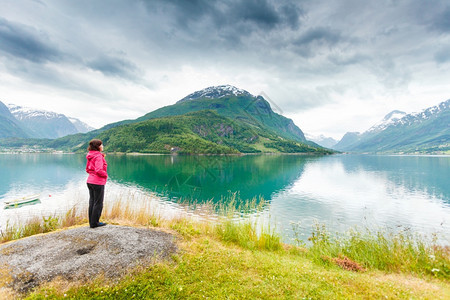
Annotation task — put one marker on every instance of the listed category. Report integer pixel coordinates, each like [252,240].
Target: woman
[96,168]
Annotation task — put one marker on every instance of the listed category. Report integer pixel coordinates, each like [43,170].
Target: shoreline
[231,154]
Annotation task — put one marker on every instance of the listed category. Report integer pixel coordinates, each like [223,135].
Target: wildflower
[432,256]
[435,270]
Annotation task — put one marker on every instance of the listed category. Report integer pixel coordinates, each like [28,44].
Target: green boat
[28,200]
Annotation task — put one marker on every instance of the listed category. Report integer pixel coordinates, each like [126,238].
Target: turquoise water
[341,191]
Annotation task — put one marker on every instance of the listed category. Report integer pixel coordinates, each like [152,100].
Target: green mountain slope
[204,132]
[230,102]
[215,120]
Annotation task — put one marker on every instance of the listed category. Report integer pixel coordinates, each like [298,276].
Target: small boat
[32,199]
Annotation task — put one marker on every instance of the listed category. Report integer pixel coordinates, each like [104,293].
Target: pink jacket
[96,168]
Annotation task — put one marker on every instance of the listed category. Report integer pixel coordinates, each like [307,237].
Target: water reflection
[209,178]
[23,174]
[340,191]
[344,191]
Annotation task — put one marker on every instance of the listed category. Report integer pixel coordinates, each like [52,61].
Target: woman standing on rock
[96,168]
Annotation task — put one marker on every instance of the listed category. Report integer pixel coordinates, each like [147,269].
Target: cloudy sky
[331,65]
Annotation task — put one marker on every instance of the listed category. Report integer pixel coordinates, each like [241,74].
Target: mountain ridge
[199,132]
[236,104]
[9,126]
[426,131]
[245,124]
[322,140]
[46,124]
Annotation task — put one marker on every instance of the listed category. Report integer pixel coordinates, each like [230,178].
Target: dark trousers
[96,194]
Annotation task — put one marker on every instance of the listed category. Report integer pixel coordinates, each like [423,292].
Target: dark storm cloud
[231,19]
[25,42]
[260,13]
[114,66]
[301,44]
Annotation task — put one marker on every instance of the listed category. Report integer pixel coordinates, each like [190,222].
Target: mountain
[327,142]
[231,102]
[425,132]
[203,131]
[390,119]
[80,126]
[347,140]
[216,92]
[9,126]
[46,124]
[217,120]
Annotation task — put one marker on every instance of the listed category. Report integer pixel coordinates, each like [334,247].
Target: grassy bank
[224,259]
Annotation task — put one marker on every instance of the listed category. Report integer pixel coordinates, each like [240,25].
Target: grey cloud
[346,60]
[276,35]
[23,42]
[26,42]
[232,19]
[315,38]
[390,73]
[292,14]
[441,21]
[442,55]
[260,13]
[311,97]
[36,73]
[115,66]
[434,15]
[185,10]
[319,34]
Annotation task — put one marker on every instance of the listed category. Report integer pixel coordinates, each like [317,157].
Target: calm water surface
[341,191]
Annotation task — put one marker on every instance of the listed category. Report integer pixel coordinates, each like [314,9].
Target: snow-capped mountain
[425,131]
[26,113]
[388,120]
[234,103]
[46,124]
[426,114]
[216,92]
[321,140]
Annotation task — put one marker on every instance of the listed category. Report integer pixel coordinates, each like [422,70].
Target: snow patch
[390,119]
[22,113]
[215,92]
[396,117]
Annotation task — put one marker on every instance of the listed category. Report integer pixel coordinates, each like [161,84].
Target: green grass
[229,259]
[208,268]
[246,235]
[384,250]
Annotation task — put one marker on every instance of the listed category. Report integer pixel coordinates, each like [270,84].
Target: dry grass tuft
[142,214]
[73,217]
[345,263]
